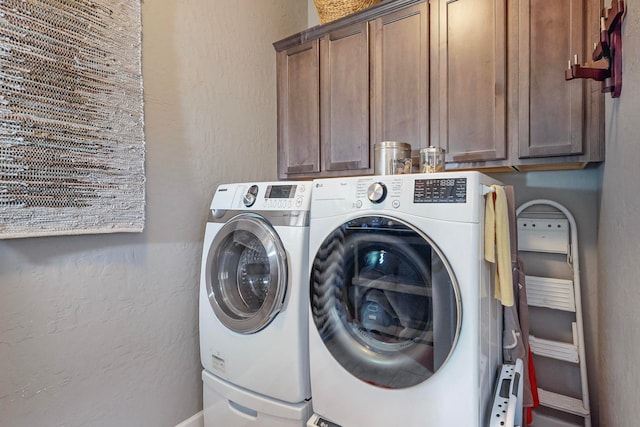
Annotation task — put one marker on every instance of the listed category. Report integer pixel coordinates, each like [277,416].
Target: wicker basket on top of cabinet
[330,10]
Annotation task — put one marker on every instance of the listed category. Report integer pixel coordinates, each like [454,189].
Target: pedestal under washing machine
[254,306]
[404,328]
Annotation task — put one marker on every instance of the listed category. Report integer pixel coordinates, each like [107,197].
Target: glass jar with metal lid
[432,159]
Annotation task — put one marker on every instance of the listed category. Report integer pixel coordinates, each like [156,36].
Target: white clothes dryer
[404,329]
[254,299]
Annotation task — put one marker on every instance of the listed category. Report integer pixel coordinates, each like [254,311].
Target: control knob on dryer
[377,192]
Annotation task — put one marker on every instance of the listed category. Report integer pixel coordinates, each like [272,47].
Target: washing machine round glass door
[246,274]
[385,301]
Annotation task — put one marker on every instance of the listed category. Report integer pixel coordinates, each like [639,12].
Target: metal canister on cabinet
[392,157]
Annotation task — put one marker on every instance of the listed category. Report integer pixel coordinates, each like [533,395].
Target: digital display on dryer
[443,190]
[280,191]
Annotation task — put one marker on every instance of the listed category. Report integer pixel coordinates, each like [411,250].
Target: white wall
[619,241]
[102,330]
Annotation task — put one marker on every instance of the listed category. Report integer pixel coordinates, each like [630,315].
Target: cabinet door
[400,76]
[551,110]
[344,100]
[473,79]
[298,111]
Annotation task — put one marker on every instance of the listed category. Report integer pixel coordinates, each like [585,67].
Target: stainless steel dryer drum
[392,158]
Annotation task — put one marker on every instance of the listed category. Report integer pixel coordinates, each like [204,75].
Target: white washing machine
[254,306]
[404,329]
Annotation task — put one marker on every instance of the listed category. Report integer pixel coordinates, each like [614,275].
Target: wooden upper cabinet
[472,80]
[344,100]
[400,76]
[436,73]
[551,110]
[351,83]
[298,110]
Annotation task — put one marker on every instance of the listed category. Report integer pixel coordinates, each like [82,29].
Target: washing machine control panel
[448,190]
[286,196]
[280,191]
[450,196]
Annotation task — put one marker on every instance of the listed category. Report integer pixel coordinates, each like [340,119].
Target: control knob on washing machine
[377,192]
[250,197]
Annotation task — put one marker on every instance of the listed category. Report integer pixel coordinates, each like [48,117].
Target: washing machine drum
[246,274]
[385,301]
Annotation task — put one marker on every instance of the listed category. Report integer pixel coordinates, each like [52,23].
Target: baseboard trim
[196,420]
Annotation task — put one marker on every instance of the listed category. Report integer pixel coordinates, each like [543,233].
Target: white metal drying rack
[542,232]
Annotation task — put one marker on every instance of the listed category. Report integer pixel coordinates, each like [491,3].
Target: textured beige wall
[619,243]
[103,330]
[312,14]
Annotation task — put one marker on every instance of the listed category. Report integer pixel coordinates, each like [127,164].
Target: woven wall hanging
[71,117]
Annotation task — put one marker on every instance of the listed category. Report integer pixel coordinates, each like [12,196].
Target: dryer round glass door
[246,274]
[385,301]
